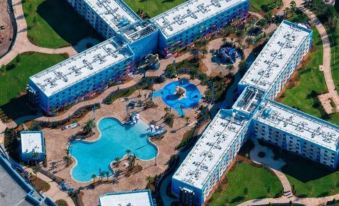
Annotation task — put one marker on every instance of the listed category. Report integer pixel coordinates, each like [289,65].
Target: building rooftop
[32,141]
[114,12]
[275,56]
[249,100]
[81,66]
[132,198]
[138,30]
[191,13]
[14,190]
[211,147]
[300,124]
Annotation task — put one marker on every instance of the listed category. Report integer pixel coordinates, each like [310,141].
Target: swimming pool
[93,158]
[189,99]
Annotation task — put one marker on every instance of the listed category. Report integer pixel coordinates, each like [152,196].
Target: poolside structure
[91,71]
[137,197]
[255,114]
[14,189]
[32,146]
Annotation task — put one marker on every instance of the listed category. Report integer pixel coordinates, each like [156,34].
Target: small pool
[189,97]
[94,158]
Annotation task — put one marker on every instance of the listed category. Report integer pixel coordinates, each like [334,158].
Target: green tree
[89,126]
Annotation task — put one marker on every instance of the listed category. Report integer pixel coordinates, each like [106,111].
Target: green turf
[13,81]
[246,182]
[153,7]
[257,5]
[54,24]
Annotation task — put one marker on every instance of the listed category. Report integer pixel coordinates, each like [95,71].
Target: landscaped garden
[245,182]
[151,8]
[55,24]
[14,77]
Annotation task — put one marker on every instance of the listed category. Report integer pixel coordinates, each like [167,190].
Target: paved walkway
[22,43]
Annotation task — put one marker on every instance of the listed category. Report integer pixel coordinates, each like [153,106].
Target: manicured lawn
[258,5]
[14,76]
[246,182]
[153,7]
[54,24]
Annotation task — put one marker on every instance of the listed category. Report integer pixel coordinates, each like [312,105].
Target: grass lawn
[14,78]
[258,5]
[54,24]
[153,7]
[246,182]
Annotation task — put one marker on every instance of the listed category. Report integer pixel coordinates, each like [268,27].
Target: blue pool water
[95,157]
[191,98]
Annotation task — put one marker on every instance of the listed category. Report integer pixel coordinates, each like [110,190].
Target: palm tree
[94,177]
[89,125]
[107,175]
[128,152]
[293,6]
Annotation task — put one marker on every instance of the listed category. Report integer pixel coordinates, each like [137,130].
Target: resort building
[297,132]
[138,197]
[80,76]
[256,115]
[205,165]
[32,146]
[92,70]
[193,19]
[279,58]
[14,189]
[107,17]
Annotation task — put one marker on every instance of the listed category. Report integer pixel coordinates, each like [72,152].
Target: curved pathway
[22,43]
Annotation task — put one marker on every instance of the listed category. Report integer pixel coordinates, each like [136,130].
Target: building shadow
[19,110]
[298,167]
[65,21]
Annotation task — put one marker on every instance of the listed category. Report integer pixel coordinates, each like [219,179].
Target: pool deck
[166,146]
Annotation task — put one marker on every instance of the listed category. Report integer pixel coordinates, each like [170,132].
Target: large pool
[189,99]
[114,141]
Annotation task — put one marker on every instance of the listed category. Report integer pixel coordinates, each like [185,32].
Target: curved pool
[94,158]
[189,99]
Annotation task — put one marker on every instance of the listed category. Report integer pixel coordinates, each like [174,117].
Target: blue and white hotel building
[255,114]
[129,40]
[193,19]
